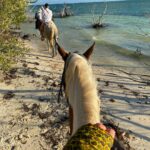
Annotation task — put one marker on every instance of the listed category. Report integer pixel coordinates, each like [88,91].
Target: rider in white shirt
[45,16]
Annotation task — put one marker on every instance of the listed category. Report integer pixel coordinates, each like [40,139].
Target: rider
[45,16]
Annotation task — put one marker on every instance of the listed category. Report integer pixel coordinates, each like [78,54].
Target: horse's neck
[83,97]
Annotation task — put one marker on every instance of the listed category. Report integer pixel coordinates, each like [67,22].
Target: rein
[62,83]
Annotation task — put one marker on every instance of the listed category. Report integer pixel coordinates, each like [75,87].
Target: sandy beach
[31,118]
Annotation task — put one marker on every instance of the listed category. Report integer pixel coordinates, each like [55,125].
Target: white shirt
[45,14]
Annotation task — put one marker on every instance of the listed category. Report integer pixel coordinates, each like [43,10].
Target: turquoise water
[127,29]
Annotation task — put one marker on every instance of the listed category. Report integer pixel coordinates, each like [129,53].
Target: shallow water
[116,44]
[127,30]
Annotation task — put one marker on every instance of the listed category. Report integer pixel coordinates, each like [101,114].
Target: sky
[68,1]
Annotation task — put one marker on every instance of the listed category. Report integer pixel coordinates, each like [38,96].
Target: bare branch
[97,22]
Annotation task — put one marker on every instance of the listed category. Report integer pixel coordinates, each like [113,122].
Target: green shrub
[12,14]
[10,50]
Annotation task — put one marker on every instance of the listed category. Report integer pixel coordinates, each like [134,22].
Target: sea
[123,42]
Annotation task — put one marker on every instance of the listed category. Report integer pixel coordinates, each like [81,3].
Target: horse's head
[67,57]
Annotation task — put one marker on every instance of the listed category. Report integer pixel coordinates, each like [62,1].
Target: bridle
[62,83]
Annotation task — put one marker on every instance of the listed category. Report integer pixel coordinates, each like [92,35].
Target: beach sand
[31,118]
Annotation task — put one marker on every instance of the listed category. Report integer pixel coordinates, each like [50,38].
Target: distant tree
[97,20]
[66,11]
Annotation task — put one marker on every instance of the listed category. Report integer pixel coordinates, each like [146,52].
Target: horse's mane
[80,68]
[81,90]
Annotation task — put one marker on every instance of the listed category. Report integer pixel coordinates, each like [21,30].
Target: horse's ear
[64,54]
[88,53]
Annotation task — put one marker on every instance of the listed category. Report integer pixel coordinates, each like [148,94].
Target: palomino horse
[81,92]
[50,32]
[51,35]
[84,104]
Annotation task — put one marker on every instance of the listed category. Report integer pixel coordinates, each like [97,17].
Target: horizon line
[77,2]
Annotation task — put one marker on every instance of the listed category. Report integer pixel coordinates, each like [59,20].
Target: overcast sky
[68,1]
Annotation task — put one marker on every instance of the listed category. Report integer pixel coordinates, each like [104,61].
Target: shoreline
[32,119]
[105,53]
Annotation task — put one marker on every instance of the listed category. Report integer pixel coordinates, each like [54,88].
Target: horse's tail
[52,38]
[53,35]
